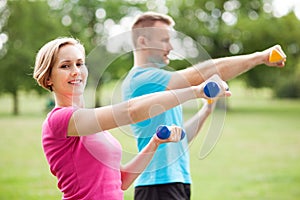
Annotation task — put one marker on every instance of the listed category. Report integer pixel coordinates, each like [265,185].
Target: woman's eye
[64,66]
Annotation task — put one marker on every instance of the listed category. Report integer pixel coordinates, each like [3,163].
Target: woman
[83,156]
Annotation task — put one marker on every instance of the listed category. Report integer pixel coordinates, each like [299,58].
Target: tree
[28,26]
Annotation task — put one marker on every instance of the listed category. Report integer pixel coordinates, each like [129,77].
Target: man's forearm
[194,124]
[227,67]
[231,67]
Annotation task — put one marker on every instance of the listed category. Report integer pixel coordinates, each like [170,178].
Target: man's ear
[142,41]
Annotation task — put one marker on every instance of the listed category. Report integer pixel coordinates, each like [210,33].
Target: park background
[258,154]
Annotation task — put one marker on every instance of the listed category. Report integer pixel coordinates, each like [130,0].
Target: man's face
[158,44]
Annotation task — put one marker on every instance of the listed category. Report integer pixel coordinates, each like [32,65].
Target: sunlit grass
[24,173]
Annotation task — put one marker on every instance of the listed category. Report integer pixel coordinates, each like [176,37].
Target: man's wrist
[257,58]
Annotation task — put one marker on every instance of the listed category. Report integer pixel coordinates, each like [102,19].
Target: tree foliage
[28,26]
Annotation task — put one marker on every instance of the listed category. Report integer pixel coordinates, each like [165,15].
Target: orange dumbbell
[277,56]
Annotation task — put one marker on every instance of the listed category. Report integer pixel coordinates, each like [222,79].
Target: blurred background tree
[25,27]
[222,28]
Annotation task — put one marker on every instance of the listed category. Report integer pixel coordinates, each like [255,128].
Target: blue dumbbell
[163,132]
[211,89]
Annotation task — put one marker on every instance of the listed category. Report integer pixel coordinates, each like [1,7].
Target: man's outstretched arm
[227,68]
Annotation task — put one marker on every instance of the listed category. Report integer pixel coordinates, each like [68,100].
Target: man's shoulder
[140,81]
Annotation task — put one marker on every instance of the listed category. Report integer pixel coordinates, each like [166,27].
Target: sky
[282,7]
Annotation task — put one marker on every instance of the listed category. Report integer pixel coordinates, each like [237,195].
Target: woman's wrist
[155,141]
[198,91]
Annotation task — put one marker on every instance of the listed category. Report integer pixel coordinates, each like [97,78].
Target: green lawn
[257,156]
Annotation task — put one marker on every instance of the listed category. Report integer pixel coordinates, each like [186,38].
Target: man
[168,175]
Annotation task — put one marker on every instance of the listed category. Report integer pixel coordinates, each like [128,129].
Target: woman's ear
[49,82]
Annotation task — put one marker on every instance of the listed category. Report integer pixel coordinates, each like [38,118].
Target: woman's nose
[75,71]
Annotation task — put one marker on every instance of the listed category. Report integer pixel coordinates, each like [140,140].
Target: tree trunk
[15,103]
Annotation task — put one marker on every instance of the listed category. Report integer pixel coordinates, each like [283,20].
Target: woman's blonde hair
[46,57]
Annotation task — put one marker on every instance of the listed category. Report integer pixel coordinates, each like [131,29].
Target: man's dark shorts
[172,191]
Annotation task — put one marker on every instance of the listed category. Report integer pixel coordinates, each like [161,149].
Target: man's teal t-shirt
[170,163]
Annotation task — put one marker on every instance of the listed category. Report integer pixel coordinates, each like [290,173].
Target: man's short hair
[148,19]
[143,24]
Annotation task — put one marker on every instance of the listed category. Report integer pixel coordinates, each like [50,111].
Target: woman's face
[69,73]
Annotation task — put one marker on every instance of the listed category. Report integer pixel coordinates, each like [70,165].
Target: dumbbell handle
[163,132]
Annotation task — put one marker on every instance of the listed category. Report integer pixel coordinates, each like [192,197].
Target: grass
[24,173]
[257,156]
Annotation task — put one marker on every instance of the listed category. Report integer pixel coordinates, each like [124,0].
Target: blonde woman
[82,154]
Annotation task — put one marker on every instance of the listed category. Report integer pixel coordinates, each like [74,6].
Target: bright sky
[282,7]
